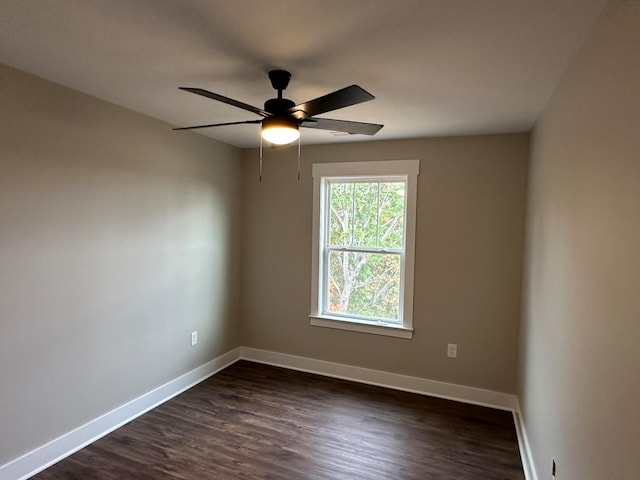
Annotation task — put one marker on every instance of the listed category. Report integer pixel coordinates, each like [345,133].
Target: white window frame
[376,171]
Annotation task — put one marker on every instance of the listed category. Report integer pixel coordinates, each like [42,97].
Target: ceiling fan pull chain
[298,158]
[260,174]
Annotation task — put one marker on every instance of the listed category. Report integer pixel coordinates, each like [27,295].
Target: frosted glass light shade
[280,131]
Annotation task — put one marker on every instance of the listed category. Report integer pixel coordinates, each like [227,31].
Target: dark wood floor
[253,421]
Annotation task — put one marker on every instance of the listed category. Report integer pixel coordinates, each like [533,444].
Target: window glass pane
[341,213]
[391,219]
[364,284]
[365,225]
[367,214]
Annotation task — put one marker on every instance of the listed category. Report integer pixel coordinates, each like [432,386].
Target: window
[363,246]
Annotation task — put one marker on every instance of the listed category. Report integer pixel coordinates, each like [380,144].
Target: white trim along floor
[46,455]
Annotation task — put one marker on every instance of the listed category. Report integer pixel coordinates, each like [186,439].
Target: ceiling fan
[281,117]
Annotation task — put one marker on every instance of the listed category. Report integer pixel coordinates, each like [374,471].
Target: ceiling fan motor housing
[278,106]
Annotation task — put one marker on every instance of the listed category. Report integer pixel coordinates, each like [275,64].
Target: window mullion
[342,248]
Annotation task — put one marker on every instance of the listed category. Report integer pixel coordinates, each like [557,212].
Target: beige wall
[117,239]
[470,229]
[580,355]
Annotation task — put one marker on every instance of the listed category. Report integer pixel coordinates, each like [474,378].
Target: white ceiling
[436,67]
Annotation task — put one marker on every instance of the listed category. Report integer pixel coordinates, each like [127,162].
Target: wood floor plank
[257,422]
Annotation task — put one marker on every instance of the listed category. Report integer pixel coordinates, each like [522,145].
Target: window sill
[397,331]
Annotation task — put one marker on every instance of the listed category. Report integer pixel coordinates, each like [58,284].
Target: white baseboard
[46,455]
[523,442]
[450,391]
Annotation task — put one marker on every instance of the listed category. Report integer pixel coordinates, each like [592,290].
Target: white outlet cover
[452,350]
[194,337]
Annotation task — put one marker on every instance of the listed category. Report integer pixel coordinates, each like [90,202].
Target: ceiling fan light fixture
[280,130]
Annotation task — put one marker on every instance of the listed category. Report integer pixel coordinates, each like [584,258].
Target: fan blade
[227,100]
[332,101]
[218,125]
[342,126]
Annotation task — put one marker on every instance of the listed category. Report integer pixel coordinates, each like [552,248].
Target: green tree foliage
[365,218]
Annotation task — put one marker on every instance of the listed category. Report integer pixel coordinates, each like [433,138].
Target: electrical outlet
[553,468]
[452,350]
[194,338]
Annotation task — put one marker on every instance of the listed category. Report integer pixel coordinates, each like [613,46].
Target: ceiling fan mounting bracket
[279,80]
